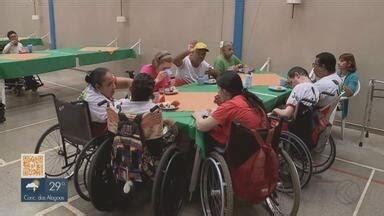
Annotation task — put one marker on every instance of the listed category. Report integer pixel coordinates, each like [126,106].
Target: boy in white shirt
[325,68]
[15,47]
[303,91]
[191,64]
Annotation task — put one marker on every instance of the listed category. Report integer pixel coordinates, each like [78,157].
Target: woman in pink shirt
[160,69]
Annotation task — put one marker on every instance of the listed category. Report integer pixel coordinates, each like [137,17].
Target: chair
[343,98]
[72,132]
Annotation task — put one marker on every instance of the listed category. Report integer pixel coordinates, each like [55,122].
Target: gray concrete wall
[336,26]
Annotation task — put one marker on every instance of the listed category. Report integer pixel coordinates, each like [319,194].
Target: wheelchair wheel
[60,154]
[281,202]
[82,166]
[323,158]
[101,181]
[300,155]
[170,185]
[216,186]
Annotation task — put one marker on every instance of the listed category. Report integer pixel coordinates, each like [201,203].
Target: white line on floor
[73,209]
[28,125]
[61,85]
[2,161]
[360,165]
[363,194]
[51,208]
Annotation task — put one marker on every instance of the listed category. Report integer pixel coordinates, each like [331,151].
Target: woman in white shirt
[101,86]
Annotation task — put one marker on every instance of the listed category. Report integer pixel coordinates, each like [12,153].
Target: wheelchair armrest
[49,94]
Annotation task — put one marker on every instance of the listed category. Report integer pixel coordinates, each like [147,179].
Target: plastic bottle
[247,80]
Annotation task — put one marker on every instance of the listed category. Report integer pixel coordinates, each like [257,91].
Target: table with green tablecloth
[44,61]
[19,65]
[204,93]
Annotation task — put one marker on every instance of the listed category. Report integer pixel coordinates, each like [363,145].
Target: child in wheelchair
[27,82]
[299,105]
[305,118]
[140,137]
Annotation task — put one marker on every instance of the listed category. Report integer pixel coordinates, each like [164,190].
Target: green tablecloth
[186,123]
[88,58]
[53,61]
[24,41]
[58,59]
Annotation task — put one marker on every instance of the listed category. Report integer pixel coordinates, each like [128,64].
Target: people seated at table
[160,69]
[234,103]
[15,47]
[303,91]
[191,64]
[325,69]
[348,73]
[101,86]
[227,60]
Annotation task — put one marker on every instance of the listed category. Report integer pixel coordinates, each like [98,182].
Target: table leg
[195,173]
[2,87]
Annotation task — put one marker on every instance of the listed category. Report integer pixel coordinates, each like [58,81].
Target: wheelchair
[19,85]
[69,145]
[312,131]
[124,166]
[173,177]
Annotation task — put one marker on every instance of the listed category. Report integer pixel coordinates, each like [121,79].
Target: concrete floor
[352,186]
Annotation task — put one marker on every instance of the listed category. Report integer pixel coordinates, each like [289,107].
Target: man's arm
[123,82]
[287,112]
[178,60]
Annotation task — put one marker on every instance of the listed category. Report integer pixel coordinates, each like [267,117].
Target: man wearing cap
[191,64]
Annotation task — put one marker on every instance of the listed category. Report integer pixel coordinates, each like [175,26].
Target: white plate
[167,92]
[170,107]
[277,88]
[210,81]
[246,70]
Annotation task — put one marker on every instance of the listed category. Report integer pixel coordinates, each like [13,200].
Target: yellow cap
[201,45]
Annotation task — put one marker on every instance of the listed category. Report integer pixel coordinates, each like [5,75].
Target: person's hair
[225,44]
[96,76]
[142,87]
[231,82]
[10,33]
[161,57]
[297,70]
[350,59]
[328,60]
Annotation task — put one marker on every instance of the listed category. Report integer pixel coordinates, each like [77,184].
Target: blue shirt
[351,82]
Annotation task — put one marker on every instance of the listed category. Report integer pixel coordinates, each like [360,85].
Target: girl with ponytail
[235,103]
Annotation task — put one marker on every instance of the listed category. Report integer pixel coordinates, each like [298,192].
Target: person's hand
[211,72]
[237,67]
[160,76]
[191,45]
[217,100]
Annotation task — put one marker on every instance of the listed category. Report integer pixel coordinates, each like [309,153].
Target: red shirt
[237,109]
[150,70]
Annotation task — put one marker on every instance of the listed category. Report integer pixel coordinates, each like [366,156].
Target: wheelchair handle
[101,103]
[153,109]
[49,94]
[327,93]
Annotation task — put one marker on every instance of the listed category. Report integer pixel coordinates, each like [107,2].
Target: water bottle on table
[247,83]
[29,48]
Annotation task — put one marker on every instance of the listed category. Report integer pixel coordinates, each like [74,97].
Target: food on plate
[175,103]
